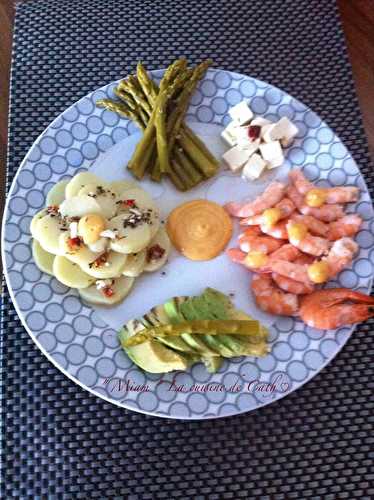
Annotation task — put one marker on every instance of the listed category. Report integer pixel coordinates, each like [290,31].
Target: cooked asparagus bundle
[168,146]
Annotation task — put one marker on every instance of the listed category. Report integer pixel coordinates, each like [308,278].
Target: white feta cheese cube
[271,150]
[241,113]
[265,129]
[235,158]
[287,131]
[244,140]
[258,120]
[283,130]
[229,134]
[276,162]
[254,167]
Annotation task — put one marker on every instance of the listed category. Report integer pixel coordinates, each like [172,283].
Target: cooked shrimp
[285,207]
[239,257]
[301,183]
[314,225]
[335,307]
[270,197]
[286,252]
[325,213]
[340,255]
[345,194]
[278,231]
[304,258]
[292,286]
[266,244]
[297,272]
[348,225]
[272,299]
[313,245]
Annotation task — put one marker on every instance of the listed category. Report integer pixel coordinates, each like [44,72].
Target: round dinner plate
[81,341]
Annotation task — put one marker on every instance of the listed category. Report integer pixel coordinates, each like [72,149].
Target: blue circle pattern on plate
[77,341]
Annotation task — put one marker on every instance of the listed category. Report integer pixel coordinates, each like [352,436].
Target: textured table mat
[59,441]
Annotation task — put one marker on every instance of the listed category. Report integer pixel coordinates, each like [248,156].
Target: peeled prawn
[335,307]
[348,225]
[239,257]
[292,286]
[270,197]
[278,231]
[314,225]
[264,244]
[297,272]
[285,206]
[314,245]
[272,299]
[344,194]
[340,255]
[326,213]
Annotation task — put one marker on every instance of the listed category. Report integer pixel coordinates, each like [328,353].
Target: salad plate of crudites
[189,242]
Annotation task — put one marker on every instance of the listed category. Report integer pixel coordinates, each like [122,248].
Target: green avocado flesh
[186,330]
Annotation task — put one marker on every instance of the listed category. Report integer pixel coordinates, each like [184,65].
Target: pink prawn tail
[233,208]
[236,255]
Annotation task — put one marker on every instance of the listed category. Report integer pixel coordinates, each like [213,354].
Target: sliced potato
[44,260]
[71,274]
[104,196]
[78,182]
[135,264]
[143,201]
[161,239]
[35,220]
[78,206]
[48,231]
[120,186]
[129,239]
[121,288]
[57,194]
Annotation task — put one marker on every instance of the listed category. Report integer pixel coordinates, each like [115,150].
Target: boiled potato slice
[78,206]
[57,194]
[143,201]
[135,264]
[120,186]
[84,257]
[34,222]
[104,196]
[71,274]
[78,182]
[161,239]
[121,288]
[129,239]
[44,260]
[48,231]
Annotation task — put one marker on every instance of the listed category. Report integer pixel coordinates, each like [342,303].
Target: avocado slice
[152,356]
[213,364]
[173,310]
[158,316]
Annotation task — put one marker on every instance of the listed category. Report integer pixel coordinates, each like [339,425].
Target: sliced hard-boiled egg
[157,251]
[78,182]
[110,293]
[78,206]
[135,264]
[48,231]
[43,259]
[71,274]
[133,231]
[34,222]
[103,195]
[57,194]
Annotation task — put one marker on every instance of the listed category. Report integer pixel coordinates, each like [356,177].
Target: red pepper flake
[52,209]
[129,203]
[155,253]
[254,132]
[100,261]
[74,243]
[108,291]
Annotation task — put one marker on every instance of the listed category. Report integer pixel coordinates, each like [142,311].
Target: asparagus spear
[121,109]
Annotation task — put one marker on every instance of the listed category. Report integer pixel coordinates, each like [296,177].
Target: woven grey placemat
[59,441]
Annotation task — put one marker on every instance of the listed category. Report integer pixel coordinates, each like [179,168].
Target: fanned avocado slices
[168,338]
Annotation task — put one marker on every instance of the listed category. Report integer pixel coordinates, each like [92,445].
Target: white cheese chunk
[235,158]
[73,227]
[108,233]
[254,167]
[100,284]
[229,134]
[241,113]
[265,129]
[283,130]
[99,246]
[258,120]
[271,150]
